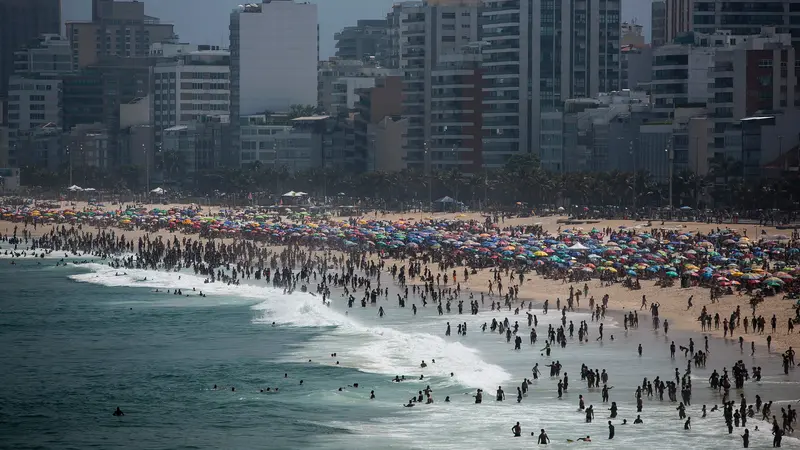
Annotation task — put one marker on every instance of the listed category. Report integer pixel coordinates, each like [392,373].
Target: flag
[250,196]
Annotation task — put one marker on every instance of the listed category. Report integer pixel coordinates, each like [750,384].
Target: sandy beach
[672,300]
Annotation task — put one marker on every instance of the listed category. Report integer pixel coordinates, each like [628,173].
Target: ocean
[80,340]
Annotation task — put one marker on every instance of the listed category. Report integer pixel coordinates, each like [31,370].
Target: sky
[206,21]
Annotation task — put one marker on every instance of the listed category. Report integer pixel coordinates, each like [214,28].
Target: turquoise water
[73,352]
[79,341]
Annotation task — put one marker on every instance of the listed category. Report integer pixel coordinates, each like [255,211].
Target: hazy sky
[206,21]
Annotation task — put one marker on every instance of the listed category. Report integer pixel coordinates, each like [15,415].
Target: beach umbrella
[672,274]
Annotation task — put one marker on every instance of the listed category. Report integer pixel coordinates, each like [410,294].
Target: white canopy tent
[578,246]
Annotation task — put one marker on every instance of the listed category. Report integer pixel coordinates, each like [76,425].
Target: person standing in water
[610,430]
[543,439]
[517,430]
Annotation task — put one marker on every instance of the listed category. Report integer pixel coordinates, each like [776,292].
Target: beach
[673,301]
[144,344]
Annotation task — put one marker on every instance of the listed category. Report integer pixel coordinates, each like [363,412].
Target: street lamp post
[374,156]
[633,156]
[428,170]
[69,161]
[146,169]
[697,173]
[670,158]
[455,168]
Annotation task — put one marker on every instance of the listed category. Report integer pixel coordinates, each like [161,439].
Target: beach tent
[579,246]
[445,199]
[293,194]
[74,188]
[89,190]
[158,191]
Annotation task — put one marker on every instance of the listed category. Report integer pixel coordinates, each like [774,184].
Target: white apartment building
[681,72]
[34,91]
[189,86]
[274,54]
[33,102]
[424,32]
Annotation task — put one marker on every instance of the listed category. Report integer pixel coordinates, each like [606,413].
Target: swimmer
[517,430]
[118,412]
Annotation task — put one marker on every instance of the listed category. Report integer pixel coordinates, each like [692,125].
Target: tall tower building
[117,29]
[426,33]
[746,17]
[20,22]
[274,57]
[658,21]
[678,18]
[538,54]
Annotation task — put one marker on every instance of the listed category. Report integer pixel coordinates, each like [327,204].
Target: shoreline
[536,288]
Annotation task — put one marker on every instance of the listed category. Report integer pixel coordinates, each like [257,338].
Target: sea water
[80,340]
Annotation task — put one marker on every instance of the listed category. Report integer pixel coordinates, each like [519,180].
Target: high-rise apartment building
[189,86]
[274,56]
[117,28]
[678,18]
[746,17]
[756,73]
[340,81]
[681,71]
[540,53]
[426,32]
[20,22]
[116,94]
[658,23]
[367,40]
[34,93]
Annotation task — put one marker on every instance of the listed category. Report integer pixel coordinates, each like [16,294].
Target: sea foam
[374,349]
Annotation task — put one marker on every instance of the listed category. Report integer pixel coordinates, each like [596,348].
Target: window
[36,116]
[448,38]
[765,63]
[448,15]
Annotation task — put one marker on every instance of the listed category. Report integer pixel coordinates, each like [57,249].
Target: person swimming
[118,412]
